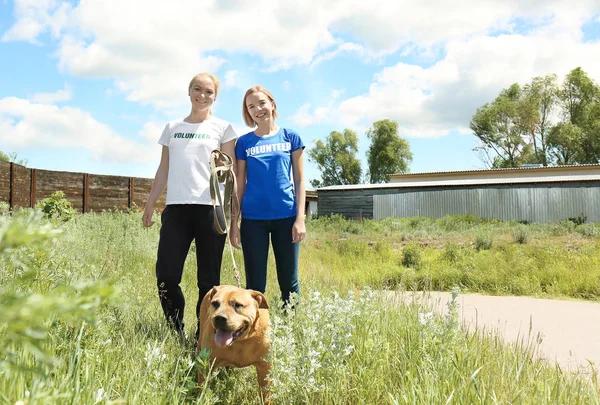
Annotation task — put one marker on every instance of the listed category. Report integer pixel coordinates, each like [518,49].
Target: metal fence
[532,204]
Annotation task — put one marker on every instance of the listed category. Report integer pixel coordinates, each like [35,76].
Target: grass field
[80,321]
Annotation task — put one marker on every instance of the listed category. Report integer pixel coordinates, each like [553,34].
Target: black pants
[182,223]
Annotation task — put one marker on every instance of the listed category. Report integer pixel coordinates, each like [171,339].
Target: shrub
[412,256]
[306,356]
[520,235]
[588,230]
[383,249]
[579,220]
[415,222]
[353,227]
[351,247]
[483,241]
[57,207]
[4,208]
[563,227]
[27,316]
[451,252]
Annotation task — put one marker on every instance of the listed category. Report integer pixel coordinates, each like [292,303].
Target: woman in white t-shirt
[189,215]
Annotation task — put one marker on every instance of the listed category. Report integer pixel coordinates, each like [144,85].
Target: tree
[580,98]
[541,123]
[540,98]
[502,126]
[565,144]
[388,153]
[12,157]
[336,159]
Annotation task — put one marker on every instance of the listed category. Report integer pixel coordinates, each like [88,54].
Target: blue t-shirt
[269,188]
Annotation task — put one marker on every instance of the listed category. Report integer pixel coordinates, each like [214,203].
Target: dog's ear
[260,298]
[211,293]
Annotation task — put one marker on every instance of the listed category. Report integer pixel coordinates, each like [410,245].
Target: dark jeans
[182,223]
[255,245]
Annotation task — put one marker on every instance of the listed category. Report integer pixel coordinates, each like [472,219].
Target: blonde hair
[212,77]
[256,89]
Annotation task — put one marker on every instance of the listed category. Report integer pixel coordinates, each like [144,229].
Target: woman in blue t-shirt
[271,203]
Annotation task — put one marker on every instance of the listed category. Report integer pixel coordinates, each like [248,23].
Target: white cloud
[430,102]
[241,128]
[28,124]
[151,132]
[304,117]
[337,93]
[346,47]
[232,79]
[52,98]
[152,51]
[35,17]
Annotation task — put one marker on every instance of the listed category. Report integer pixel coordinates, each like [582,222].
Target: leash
[221,171]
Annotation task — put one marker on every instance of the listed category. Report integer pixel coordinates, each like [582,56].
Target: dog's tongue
[223,337]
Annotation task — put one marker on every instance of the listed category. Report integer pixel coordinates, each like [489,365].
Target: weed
[520,235]
[57,207]
[483,241]
[412,256]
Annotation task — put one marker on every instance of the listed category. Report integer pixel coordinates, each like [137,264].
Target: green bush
[451,252]
[589,230]
[351,247]
[57,207]
[4,208]
[415,222]
[459,222]
[383,249]
[520,235]
[412,256]
[483,241]
[578,220]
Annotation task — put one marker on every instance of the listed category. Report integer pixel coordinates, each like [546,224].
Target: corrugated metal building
[540,194]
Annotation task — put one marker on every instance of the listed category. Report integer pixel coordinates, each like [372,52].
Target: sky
[88,86]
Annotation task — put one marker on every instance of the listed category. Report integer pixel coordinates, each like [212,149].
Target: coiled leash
[221,171]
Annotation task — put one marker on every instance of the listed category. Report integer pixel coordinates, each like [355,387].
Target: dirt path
[569,330]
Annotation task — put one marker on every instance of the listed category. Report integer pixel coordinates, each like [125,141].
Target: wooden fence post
[11,192]
[33,189]
[131,193]
[86,192]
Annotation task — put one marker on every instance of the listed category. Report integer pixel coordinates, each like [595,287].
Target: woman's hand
[234,235]
[147,217]
[298,231]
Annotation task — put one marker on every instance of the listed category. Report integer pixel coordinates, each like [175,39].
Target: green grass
[80,321]
[505,258]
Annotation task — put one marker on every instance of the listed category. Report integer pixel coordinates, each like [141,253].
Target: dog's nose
[220,320]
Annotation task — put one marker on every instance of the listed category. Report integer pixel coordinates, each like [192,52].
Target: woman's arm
[229,148]
[158,186]
[299,229]
[234,236]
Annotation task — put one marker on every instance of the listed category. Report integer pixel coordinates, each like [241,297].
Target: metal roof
[469,182]
[544,168]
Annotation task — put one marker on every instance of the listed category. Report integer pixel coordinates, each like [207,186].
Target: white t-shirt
[189,151]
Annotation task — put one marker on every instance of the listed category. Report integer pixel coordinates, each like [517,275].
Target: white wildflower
[424,318]
[99,395]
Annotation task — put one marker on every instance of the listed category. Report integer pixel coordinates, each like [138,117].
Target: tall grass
[80,321]
[550,260]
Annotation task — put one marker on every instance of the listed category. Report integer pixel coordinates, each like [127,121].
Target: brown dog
[233,325]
